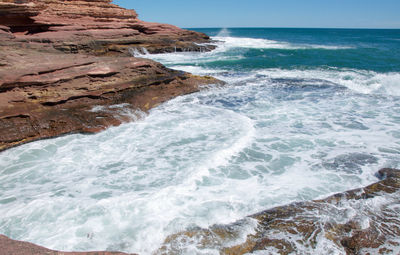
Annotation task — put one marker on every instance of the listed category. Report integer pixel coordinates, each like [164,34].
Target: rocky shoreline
[13,247]
[299,227]
[325,226]
[66,66]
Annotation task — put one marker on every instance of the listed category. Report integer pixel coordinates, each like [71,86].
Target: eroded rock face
[65,67]
[95,27]
[48,94]
[360,221]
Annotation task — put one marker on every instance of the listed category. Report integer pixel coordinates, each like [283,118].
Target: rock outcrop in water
[65,67]
[360,221]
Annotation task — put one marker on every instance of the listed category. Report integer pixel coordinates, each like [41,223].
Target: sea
[304,114]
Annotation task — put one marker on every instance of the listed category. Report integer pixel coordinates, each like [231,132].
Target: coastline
[53,72]
[280,229]
[84,86]
[303,219]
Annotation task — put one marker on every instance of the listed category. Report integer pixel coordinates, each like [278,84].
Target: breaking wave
[254,43]
[269,137]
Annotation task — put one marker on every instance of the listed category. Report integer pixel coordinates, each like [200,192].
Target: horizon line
[361,28]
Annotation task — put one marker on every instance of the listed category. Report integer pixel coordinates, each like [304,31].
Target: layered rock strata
[65,67]
[95,27]
[360,221]
[48,94]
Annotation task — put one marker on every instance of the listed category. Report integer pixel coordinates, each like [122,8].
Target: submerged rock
[360,221]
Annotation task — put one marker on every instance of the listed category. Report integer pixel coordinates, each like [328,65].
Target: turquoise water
[375,50]
[305,113]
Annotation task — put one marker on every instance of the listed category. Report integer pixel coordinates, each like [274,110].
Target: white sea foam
[206,158]
[138,52]
[224,33]
[220,155]
[179,58]
[120,110]
[224,44]
[198,70]
[362,81]
[258,43]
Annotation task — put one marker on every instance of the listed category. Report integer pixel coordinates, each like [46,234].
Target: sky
[268,13]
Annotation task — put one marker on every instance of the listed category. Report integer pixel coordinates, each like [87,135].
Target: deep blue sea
[305,113]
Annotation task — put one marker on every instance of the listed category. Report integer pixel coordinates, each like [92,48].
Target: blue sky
[268,13]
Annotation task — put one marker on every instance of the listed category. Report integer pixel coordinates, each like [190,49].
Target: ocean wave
[223,52]
[361,81]
[256,43]
[212,147]
[179,58]
[198,70]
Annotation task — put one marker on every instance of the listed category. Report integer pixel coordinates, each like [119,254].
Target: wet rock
[13,247]
[360,221]
[60,59]
[48,94]
[351,162]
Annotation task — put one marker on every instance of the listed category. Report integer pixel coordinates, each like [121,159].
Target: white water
[256,43]
[224,44]
[268,138]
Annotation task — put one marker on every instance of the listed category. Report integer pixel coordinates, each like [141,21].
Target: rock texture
[46,95]
[12,247]
[360,221]
[95,27]
[65,67]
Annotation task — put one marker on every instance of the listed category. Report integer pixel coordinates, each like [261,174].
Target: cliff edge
[65,67]
[91,26]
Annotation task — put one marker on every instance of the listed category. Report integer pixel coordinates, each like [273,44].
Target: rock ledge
[65,67]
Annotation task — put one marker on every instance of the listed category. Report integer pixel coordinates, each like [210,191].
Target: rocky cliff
[96,27]
[65,67]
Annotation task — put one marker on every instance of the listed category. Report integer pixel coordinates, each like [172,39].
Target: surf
[271,136]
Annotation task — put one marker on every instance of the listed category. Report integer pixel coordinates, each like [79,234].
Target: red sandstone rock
[93,27]
[48,94]
[45,91]
[13,247]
